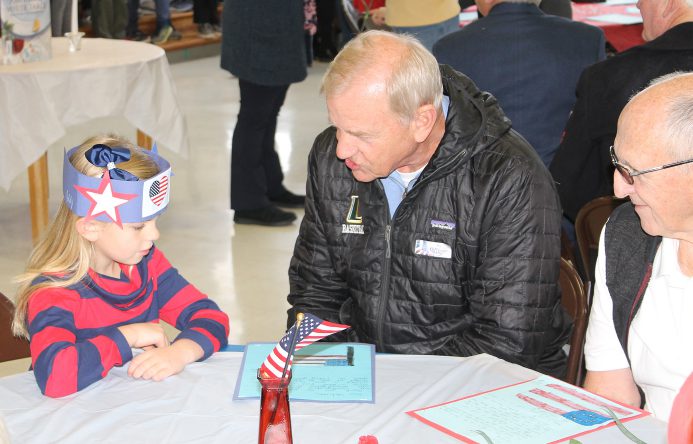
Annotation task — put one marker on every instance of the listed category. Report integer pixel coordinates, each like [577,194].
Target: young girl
[96,285]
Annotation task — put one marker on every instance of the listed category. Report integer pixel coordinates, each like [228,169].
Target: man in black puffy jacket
[431,226]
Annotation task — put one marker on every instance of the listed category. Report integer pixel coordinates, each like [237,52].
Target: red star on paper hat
[104,200]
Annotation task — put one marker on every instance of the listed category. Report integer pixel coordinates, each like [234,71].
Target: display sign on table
[26,30]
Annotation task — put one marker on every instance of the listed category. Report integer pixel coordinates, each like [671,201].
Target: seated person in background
[582,166]
[640,335]
[529,61]
[561,8]
[428,20]
[95,285]
[431,227]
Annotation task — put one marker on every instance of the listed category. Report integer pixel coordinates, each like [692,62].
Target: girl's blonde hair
[62,255]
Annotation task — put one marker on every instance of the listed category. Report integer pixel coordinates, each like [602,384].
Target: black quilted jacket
[486,195]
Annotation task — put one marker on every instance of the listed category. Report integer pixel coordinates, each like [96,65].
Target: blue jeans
[430,34]
[163,15]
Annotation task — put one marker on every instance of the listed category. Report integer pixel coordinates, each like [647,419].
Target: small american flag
[312,329]
[157,191]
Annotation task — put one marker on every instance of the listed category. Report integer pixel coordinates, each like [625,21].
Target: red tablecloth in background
[620,36]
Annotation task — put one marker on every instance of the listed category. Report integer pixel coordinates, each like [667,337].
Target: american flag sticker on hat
[156,193]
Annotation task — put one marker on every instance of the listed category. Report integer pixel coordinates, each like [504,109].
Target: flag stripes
[312,329]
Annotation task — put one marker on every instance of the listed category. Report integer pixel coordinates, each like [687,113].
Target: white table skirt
[41,100]
[196,406]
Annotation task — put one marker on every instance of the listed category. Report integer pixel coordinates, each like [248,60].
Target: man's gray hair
[414,78]
[680,125]
[679,116]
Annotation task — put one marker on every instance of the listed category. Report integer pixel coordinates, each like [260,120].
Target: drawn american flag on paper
[158,190]
[312,329]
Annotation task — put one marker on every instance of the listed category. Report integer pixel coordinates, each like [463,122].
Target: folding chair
[574,299]
[588,226]
[11,347]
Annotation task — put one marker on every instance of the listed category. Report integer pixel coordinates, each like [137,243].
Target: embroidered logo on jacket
[353,218]
[443,225]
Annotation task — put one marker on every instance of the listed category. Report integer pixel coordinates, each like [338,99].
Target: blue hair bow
[106,157]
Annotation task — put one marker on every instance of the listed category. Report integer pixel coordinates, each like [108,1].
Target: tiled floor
[243,268]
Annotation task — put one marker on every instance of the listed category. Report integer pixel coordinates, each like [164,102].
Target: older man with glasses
[639,347]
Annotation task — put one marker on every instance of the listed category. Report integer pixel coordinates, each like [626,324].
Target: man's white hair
[679,114]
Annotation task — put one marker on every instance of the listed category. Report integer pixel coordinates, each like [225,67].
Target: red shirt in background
[372,4]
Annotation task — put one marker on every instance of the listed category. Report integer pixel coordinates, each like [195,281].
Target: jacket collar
[680,37]
[474,122]
[515,8]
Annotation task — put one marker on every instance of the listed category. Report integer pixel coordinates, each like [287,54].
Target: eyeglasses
[629,173]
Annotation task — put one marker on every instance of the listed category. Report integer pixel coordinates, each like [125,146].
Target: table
[41,100]
[620,36]
[196,406]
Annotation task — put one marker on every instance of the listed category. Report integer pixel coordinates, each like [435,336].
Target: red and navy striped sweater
[74,336]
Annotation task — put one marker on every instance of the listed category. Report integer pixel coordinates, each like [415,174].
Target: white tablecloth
[41,100]
[196,406]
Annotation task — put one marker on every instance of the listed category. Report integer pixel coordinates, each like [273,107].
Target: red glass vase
[275,416]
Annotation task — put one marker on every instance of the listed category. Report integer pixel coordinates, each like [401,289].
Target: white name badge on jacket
[433,249]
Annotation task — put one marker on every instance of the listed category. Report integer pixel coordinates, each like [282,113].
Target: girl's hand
[160,363]
[144,334]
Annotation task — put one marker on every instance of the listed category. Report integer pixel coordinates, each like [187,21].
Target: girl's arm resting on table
[160,363]
[188,309]
[144,334]
[62,363]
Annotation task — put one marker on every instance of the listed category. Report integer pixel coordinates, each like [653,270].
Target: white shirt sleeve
[603,350]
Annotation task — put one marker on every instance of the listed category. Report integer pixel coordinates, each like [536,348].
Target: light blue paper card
[323,375]
[544,410]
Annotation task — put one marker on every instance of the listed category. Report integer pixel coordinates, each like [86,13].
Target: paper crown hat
[117,196]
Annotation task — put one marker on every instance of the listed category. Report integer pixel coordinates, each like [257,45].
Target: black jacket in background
[485,194]
[263,41]
[582,165]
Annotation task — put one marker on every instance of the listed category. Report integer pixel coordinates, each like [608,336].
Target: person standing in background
[164,31]
[427,21]
[263,45]
[61,11]
[206,17]
[109,18]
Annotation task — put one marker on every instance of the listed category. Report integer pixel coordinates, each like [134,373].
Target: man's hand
[144,334]
[160,363]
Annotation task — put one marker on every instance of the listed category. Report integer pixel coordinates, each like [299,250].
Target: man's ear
[87,228]
[423,122]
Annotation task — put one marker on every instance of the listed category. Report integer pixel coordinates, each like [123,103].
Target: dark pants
[109,18]
[255,169]
[205,11]
[163,15]
[61,11]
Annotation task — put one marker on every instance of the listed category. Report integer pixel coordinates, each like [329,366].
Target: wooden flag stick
[292,346]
